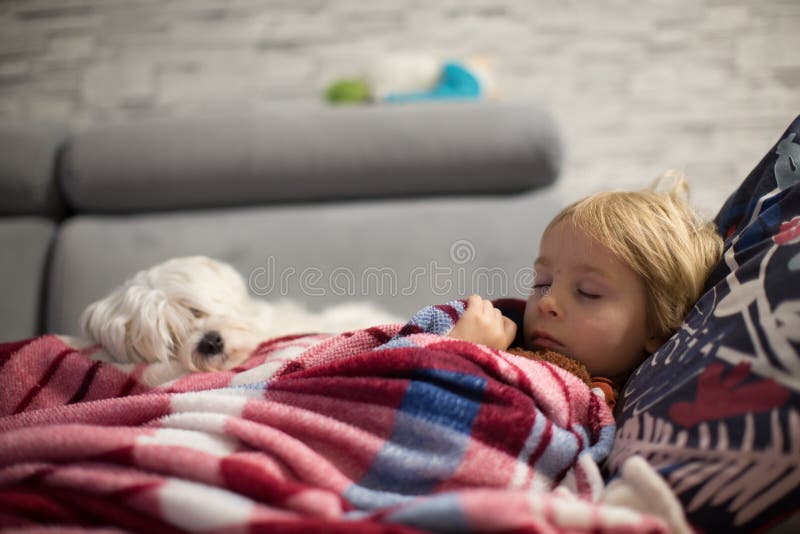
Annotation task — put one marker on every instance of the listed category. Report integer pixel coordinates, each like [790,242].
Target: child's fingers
[493,315]
[474,303]
[509,331]
[474,307]
[482,323]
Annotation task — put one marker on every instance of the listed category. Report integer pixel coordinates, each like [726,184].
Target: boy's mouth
[544,340]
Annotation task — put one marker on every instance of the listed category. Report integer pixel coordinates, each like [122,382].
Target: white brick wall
[637,87]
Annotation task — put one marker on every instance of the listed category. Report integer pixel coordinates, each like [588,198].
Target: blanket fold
[392,428]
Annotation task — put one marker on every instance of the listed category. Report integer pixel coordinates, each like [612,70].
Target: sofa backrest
[28,159]
[310,154]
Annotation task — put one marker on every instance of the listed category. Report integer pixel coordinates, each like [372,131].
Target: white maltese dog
[197,311]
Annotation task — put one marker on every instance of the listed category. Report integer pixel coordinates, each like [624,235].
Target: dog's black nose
[211,344]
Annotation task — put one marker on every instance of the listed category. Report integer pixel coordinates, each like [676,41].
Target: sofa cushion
[311,154]
[402,254]
[27,169]
[717,409]
[25,242]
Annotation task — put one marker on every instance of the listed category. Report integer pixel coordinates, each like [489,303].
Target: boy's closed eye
[541,289]
[588,295]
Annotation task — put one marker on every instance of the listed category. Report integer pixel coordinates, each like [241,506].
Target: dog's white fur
[163,314]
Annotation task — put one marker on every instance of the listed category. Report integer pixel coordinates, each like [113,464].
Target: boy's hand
[483,323]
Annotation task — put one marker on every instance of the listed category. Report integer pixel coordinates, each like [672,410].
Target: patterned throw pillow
[716,410]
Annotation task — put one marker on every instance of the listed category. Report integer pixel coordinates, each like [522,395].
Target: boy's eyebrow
[583,267]
[587,268]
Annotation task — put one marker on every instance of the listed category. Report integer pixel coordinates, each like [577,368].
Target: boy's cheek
[528,323]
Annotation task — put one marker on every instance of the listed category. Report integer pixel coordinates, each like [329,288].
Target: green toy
[347,91]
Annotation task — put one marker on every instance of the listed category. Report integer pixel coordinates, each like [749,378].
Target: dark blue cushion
[716,410]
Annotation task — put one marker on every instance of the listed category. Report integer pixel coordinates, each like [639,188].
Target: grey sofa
[403,205]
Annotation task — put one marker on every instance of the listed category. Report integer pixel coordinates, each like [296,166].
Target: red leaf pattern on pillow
[789,231]
[719,397]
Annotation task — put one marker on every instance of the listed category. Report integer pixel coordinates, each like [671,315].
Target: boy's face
[587,304]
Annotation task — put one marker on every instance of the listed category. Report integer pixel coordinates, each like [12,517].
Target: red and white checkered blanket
[312,433]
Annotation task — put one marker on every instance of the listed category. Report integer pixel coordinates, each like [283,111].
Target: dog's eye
[197,313]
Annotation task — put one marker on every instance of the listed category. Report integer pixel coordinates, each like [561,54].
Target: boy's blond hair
[660,237]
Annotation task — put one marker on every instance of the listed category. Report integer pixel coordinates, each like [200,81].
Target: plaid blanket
[390,429]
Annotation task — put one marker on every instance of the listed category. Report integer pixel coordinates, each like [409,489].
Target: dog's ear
[156,324]
[102,322]
[135,323]
[169,327]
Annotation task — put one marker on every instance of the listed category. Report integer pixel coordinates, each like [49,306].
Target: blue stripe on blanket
[419,455]
[602,448]
[431,433]
[431,320]
[434,320]
[439,513]
[444,397]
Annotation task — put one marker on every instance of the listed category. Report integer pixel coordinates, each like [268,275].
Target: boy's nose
[549,306]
